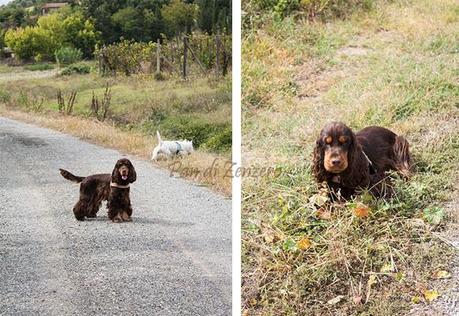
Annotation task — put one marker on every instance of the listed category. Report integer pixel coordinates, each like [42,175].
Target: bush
[75,69]
[211,136]
[125,57]
[68,55]
[221,141]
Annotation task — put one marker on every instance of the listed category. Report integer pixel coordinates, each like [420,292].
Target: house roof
[53,5]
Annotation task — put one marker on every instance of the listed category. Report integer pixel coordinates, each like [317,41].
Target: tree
[179,16]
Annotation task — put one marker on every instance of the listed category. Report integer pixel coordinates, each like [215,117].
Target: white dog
[168,149]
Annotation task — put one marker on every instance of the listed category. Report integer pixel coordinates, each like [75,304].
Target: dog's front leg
[125,216]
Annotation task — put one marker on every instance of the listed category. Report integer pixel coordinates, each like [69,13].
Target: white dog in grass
[169,149]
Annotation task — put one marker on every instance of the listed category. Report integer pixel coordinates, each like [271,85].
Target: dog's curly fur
[349,162]
[113,188]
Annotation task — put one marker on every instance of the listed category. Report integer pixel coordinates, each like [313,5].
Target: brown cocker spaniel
[349,162]
[113,188]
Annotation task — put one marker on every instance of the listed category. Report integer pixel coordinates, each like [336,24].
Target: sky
[4,1]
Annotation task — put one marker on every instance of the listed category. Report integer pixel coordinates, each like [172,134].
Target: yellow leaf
[362,211]
[400,276]
[304,243]
[416,299]
[431,295]
[372,280]
[245,313]
[387,267]
[253,302]
[441,274]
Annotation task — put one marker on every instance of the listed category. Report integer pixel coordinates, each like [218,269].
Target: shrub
[221,141]
[75,69]
[125,57]
[68,55]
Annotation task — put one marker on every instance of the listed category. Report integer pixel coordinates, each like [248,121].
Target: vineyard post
[158,56]
[217,57]
[185,55]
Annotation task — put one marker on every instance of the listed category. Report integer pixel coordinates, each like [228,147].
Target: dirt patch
[25,75]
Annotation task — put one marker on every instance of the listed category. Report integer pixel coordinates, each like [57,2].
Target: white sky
[4,1]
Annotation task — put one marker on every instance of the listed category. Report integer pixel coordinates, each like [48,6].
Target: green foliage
[309,8]
[75,69]
[221,141]
[39,67]
[51,33]
[434,215]
[29,42]
[179,16]
[125,57]
[195,129]
[67,56]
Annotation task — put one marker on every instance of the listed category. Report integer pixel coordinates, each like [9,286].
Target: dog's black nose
[336,162]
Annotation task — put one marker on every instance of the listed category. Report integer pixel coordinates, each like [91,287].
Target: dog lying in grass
[169,149]
[349,162]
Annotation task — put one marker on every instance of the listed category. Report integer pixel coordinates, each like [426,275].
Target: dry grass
[133,143]
[372,68]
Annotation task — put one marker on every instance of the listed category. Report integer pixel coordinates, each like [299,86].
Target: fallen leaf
[245,313]
[416,299]
[289,245]
[269,237]
[362,211]
[400,276]
[335,300]
[387,267]
[319,199]
[323,214]
[431,295]
[304,243]
[441,274]
[372,279]
[253,302]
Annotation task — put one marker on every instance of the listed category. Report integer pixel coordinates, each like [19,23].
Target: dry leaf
[245,313]
[253,302]
[304,243]
[431,295]
[323,213]
[441,274]
[269,237]
[362,211]
[335,300]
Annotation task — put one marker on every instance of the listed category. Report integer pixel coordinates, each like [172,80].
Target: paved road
[173,259]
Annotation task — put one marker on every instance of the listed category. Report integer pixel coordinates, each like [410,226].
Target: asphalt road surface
[173,259]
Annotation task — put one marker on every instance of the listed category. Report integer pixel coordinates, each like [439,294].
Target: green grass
[39,67]
[372,68]
[139,103]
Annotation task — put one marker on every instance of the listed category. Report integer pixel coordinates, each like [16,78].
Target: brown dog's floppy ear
[132,174]
[318,167]
[116,177]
